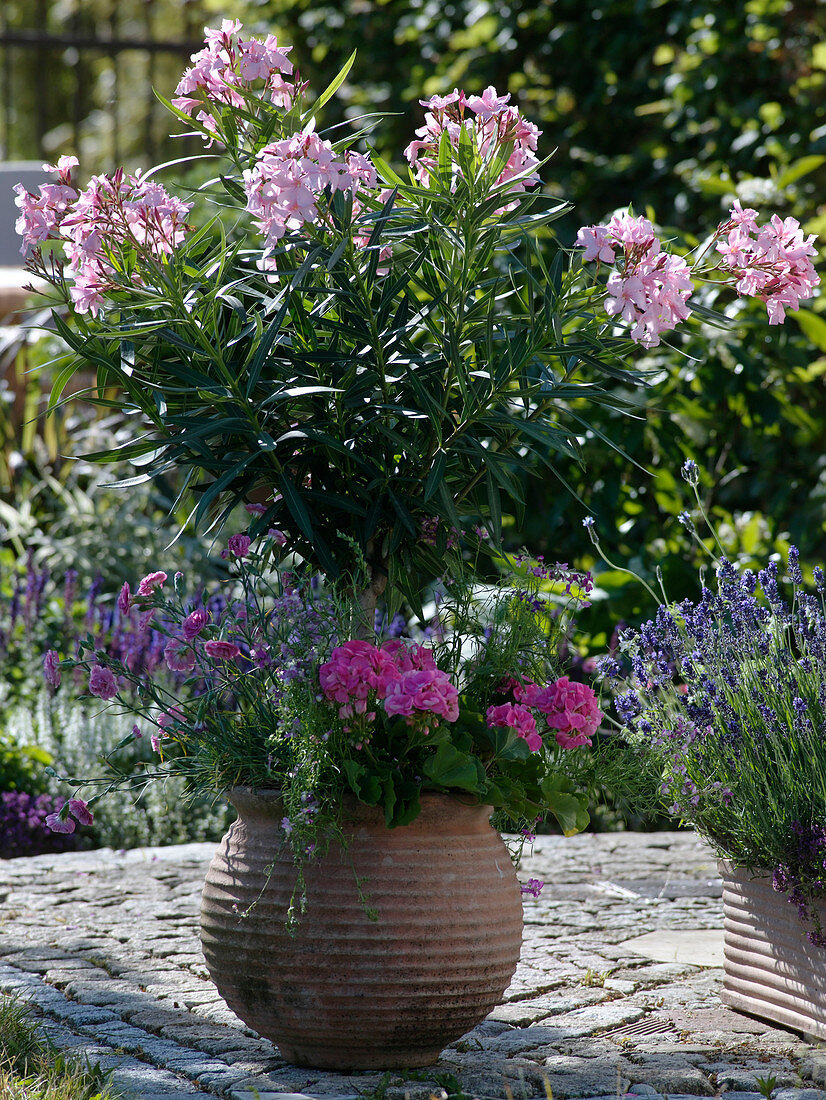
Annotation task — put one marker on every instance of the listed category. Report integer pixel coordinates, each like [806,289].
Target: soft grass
[32,1068]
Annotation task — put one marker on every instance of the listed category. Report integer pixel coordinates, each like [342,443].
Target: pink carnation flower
[239,545]
[180,657]
[150,582]
[221,651]
[59,824]
[516,717]
[124,599]
[194,623]
[102,683]
[79,809]
[572,710]
[422,690]
[51,668]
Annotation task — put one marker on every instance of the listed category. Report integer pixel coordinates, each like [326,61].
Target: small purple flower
[239,545]
[533,887]
[51,668]
[102,683]
[136,732]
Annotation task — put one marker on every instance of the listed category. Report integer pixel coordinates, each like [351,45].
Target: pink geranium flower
[572,710]
[422,690]
[356,669]
[516,717]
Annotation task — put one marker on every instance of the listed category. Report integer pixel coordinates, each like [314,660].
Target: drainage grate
[643,1027]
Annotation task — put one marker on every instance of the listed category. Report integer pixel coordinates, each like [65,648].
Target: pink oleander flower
[179,655]
[649,288]
[572,710]
[41,214]
[113,216]
[286,183]
[221,650]
[770,262]
[491,123]
[79,809]
[102,683]
[194,623]
[239,545]
[518,718]
[59,824]
[356,669]
[150,582]
[423,690]
[223,73]
[124,599]
[51,668]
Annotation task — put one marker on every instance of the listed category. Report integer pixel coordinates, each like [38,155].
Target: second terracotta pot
[347,991]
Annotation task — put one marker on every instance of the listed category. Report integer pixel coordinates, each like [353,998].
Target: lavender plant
[727,697]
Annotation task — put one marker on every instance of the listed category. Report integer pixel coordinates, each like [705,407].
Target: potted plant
[727,701]
[362,877]
[366,361]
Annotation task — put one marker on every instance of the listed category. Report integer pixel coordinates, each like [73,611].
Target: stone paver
[105,946]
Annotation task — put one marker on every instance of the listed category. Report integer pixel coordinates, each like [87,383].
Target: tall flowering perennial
[727,698]
[649,287]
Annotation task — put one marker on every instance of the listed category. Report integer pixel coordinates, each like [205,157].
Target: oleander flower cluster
[649,287]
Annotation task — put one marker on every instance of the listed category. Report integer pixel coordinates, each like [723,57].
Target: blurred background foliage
[676,106]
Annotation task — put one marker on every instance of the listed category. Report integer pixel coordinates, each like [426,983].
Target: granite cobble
[105,947]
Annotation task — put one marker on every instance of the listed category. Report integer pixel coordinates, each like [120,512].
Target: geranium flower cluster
[401,677]
[771,262]
[492,125]
[100,225]
[649,288]
[226,69]
[284,186]
[567,707]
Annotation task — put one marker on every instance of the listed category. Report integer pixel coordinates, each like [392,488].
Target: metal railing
[82,82]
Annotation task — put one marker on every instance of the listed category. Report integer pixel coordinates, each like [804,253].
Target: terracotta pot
[347,992]
[771,969]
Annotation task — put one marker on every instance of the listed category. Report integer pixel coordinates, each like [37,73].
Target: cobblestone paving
[106,946]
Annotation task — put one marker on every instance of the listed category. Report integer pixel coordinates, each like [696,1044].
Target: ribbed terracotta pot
[347,992]
[771,969]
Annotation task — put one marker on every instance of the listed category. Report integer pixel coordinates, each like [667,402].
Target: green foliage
[32,1068]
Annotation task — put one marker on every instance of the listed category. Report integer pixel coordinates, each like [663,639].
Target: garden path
[616,991]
